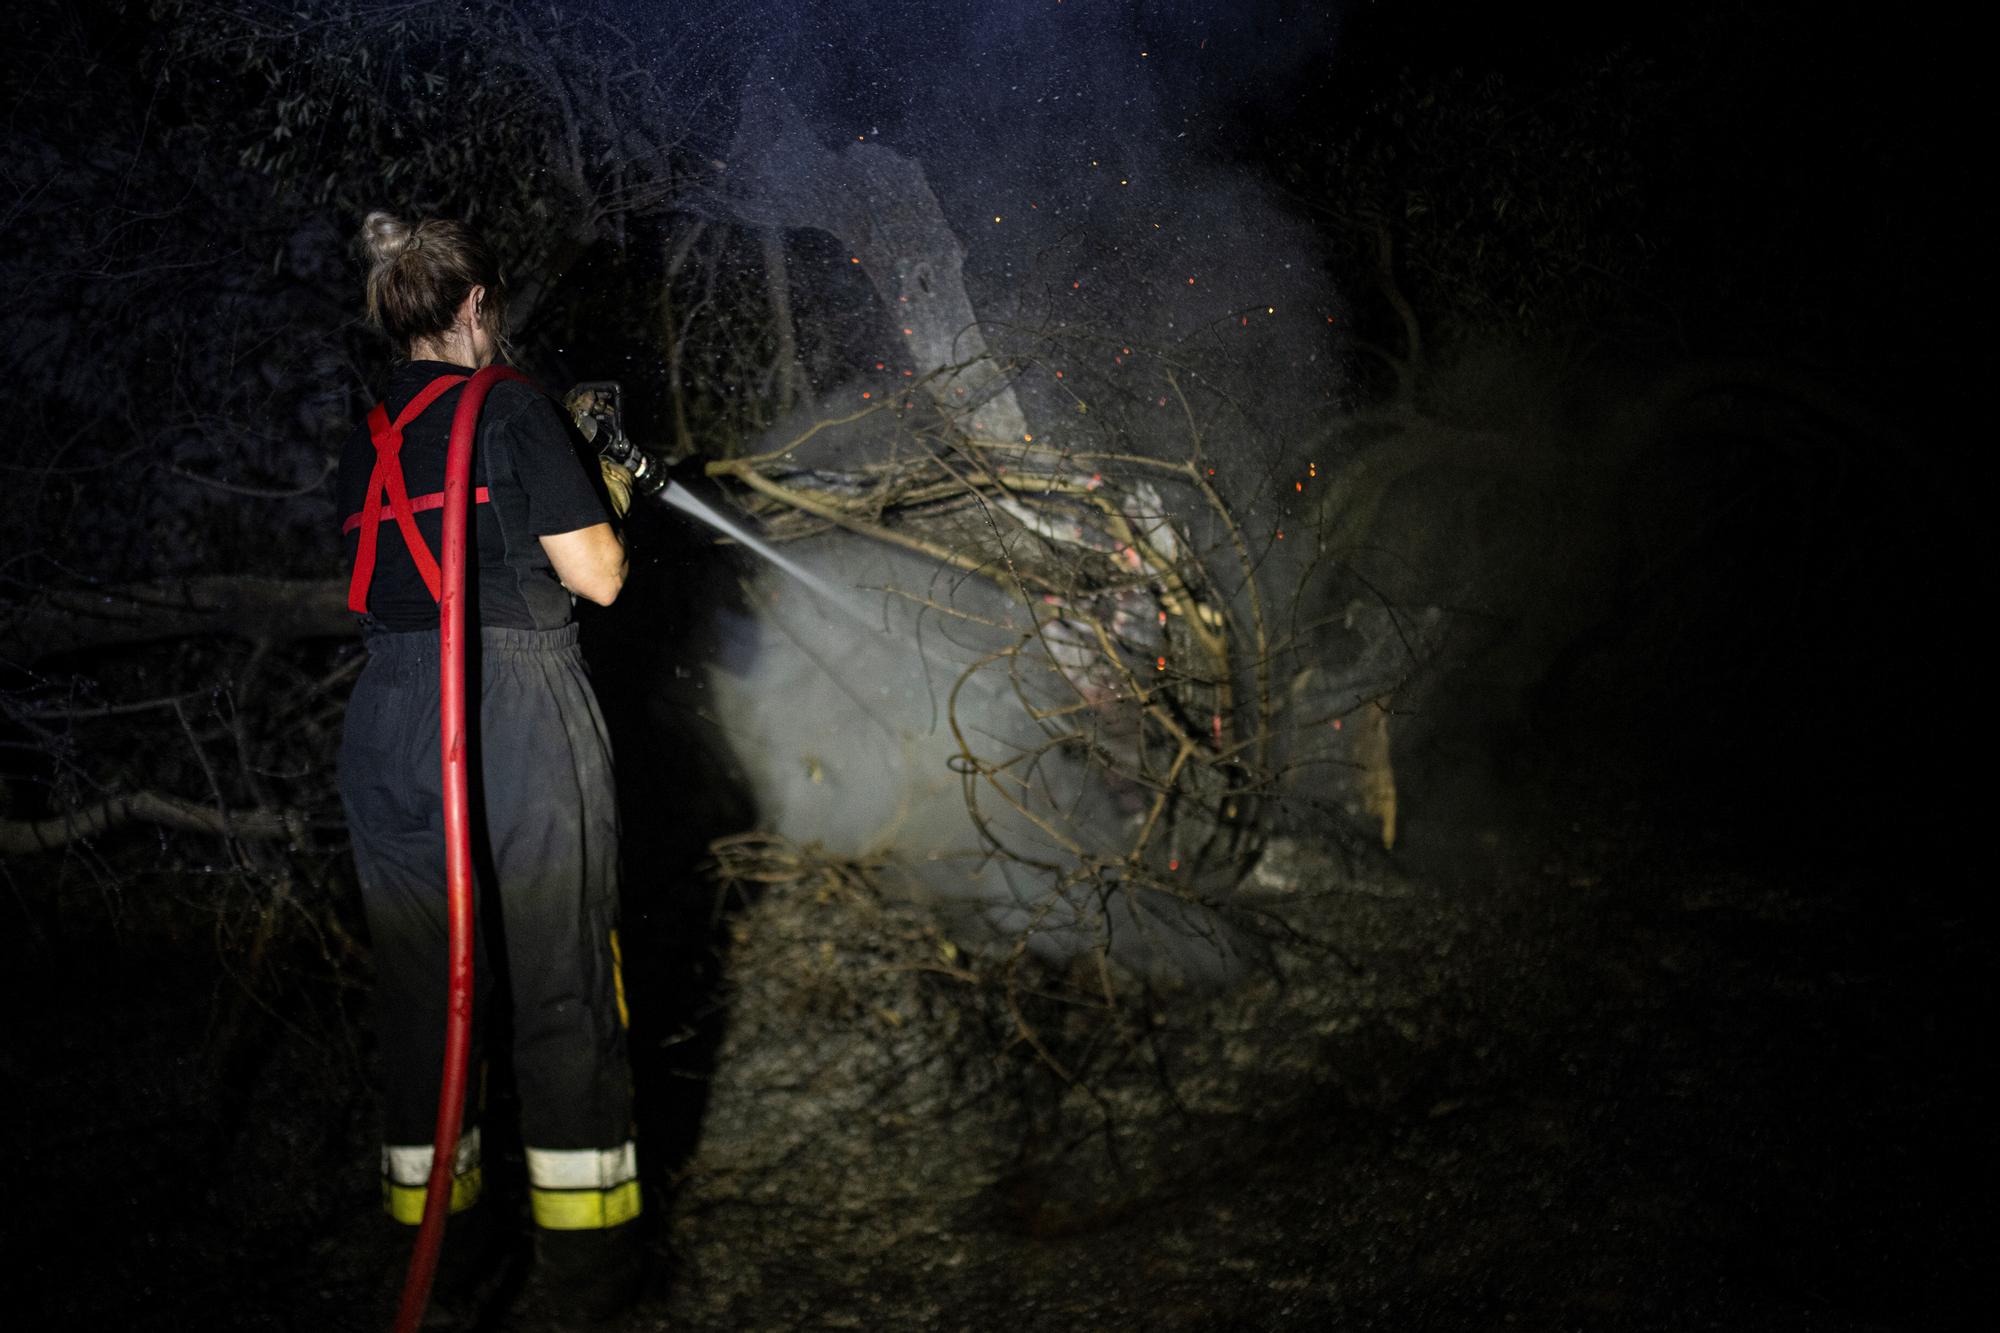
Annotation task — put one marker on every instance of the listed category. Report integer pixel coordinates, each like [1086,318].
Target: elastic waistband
[423,644]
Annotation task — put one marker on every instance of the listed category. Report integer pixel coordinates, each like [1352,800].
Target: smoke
[911,744]
[1047,192]
[1087,157]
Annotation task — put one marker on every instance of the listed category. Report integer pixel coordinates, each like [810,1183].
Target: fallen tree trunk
[19,837]
[880,206]
[71,620]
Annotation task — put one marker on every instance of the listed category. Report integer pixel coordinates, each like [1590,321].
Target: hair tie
[415,243]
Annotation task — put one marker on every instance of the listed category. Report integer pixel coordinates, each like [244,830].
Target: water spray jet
[597,408]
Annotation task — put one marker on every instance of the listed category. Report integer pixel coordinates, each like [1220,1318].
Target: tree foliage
[549,132]
[1496,207]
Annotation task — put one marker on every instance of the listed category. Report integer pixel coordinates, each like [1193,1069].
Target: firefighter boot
[472,1265]
[592,1275]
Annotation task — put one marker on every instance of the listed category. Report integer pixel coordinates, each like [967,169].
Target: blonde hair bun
[385,236]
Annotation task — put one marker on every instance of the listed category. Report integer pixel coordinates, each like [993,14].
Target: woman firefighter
[545,816]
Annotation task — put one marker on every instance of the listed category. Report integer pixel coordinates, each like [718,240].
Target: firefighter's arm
[589,561]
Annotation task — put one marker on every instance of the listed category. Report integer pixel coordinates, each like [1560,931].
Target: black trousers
[546,842]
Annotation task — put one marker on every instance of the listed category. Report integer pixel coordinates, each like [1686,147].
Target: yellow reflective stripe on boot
[405,1203]
[406,1172]
[583,1189]
[585,1210]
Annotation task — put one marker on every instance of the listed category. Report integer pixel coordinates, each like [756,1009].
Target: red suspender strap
[385,482]
[418,504]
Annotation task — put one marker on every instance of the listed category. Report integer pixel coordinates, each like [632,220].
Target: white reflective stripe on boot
[584,1189]
[406,1172]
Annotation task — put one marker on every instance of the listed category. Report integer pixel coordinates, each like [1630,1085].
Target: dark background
[1794,700]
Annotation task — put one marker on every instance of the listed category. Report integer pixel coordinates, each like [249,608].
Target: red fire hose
[457,845]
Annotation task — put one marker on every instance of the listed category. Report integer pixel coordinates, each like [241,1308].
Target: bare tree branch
[21,836]
[240,605]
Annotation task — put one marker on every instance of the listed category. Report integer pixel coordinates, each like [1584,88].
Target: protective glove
[617,485]
[579,403]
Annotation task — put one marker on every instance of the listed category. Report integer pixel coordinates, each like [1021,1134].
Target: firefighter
[545,823]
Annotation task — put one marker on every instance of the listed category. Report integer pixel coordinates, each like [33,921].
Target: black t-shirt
[541,480]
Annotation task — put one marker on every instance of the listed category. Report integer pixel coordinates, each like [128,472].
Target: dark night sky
[1816,156]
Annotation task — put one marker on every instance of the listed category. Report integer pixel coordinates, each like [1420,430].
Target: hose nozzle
[596,408]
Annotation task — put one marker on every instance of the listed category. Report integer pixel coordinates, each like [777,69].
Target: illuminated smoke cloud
[1045,172]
